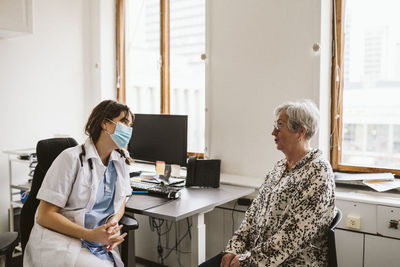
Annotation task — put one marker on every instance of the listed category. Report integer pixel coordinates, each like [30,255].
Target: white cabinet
[15,17]
[381,251]
[349,248]
[364,250]
[388,221]
[377,241]
[366,213]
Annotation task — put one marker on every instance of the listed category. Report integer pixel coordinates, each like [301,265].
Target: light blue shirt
[102,209]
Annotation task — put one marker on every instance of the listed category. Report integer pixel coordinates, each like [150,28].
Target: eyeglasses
[126,122]
[277,126]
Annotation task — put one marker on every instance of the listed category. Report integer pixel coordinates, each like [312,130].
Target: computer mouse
[174,194]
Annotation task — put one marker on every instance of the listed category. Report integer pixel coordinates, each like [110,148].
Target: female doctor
[83,196]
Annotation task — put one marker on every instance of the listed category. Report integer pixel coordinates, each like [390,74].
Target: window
[164,61]
[366,86]
[396,139]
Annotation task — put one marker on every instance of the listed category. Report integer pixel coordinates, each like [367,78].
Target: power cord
[188,232]
[233,217]
[156,225]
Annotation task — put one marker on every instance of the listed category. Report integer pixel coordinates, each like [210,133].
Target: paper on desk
[341,176]
[382,186]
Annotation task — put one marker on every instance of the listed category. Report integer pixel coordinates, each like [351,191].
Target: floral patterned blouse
[287,223]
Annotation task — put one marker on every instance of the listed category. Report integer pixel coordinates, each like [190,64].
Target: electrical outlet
[353,222]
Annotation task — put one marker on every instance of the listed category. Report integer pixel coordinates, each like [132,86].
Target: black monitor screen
[159,137]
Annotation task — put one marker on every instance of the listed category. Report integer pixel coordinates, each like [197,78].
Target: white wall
[49,81]
[260,55]
[324,84]
[101,45]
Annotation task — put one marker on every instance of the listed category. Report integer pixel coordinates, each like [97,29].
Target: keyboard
[156,189]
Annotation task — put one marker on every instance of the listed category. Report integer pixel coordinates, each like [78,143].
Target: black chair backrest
[46,151]
[331,239]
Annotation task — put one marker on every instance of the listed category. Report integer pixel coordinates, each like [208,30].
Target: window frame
[164,53]
[337,96]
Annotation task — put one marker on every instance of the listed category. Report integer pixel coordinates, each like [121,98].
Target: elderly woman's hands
[230,259]
[235,262]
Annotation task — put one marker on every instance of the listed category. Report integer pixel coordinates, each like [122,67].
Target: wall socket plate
[353,222]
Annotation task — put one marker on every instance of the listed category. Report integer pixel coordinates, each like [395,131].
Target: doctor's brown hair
[107,109]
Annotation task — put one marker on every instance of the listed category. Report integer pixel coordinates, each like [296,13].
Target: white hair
[303,113]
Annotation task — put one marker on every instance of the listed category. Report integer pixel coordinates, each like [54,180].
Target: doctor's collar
[91,151]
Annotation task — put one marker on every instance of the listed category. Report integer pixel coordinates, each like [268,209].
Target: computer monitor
[159,137]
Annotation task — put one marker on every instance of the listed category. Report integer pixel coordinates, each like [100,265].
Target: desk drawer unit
[357,216]
[388,221]
[369,230]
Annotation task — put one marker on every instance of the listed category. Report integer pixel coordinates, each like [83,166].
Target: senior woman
[287,223]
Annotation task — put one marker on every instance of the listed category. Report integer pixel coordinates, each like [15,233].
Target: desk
[194,202]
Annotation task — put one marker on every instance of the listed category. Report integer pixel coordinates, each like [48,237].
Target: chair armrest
[8,241]
[129,223]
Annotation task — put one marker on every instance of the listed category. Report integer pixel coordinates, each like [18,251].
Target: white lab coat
[72,188]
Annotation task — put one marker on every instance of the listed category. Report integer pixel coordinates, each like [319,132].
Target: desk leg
[198,243]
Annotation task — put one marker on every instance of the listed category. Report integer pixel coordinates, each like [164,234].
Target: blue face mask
[121,135]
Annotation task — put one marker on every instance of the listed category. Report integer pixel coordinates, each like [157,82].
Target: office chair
[8,241]
[331,239]
[127,250]
[46,151]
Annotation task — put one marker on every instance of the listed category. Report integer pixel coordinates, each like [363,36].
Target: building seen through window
[186,68]
[371,84]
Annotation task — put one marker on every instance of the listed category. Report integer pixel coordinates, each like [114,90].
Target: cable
[188,232]
[189,225]
[233,217]
[176,247]
[176,237]
[223,208]
[178,251]
[156,225]
[168,229]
